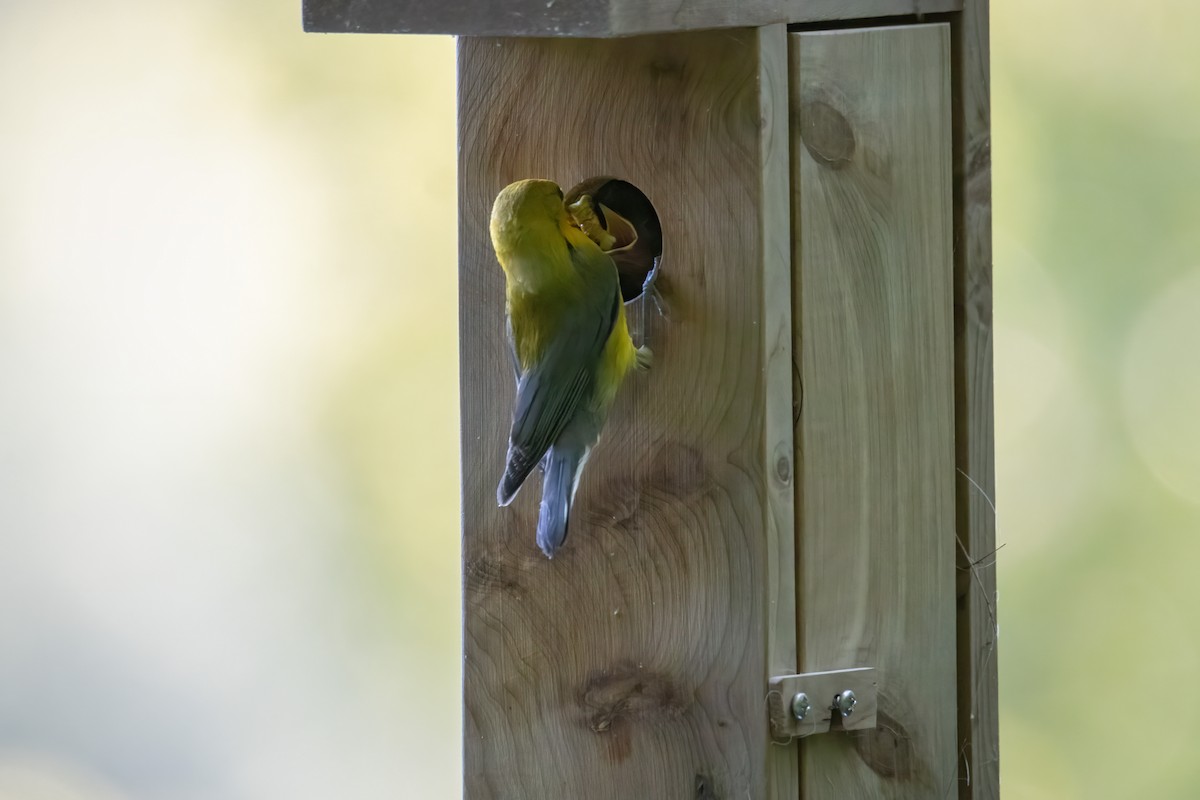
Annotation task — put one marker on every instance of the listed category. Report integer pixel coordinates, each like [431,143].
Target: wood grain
[978,725]
[590,18]
[634,665]
[871,171]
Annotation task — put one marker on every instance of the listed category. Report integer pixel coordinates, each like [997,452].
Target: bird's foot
[645,358]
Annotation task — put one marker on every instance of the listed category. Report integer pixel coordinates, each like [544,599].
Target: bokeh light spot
[1160,386]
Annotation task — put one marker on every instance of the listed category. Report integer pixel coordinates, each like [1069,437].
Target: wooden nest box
[794,499]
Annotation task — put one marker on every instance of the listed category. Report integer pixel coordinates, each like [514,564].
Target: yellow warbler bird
[570,345]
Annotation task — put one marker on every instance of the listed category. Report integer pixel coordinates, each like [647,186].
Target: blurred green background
[228,410]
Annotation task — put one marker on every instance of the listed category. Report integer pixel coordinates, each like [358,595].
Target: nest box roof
[590,18]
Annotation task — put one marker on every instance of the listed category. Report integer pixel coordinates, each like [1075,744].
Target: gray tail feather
[516,470]
[558,490]
[507,490]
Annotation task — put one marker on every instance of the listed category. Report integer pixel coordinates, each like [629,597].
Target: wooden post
[784,491]
[978,700]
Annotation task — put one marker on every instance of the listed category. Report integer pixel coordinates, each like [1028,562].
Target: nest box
[776,583]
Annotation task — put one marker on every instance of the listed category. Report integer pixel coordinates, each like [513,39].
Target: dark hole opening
[622,220]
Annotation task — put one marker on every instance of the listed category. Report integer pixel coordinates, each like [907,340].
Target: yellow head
[528,216]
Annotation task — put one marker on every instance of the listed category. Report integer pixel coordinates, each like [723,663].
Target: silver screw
[800,705]
[845,702]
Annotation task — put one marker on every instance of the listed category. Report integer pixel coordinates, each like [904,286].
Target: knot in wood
[827,134]
[783,465]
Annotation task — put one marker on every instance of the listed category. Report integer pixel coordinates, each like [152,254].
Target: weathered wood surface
[978,726]
[635,663]
[871,168]
[590,18]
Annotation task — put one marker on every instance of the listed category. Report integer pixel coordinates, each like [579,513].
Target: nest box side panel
[873,215]
[978,714]
[635,663]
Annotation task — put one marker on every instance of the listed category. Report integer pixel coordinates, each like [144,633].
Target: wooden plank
[778,445]
[590,18]
[635,663]
[872,215]
[978,724]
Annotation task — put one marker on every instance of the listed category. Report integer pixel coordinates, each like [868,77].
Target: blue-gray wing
[550,392]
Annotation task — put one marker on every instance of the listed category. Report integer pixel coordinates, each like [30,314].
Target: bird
[569,342]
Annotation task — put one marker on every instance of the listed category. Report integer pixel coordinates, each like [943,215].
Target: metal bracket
[801,705]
